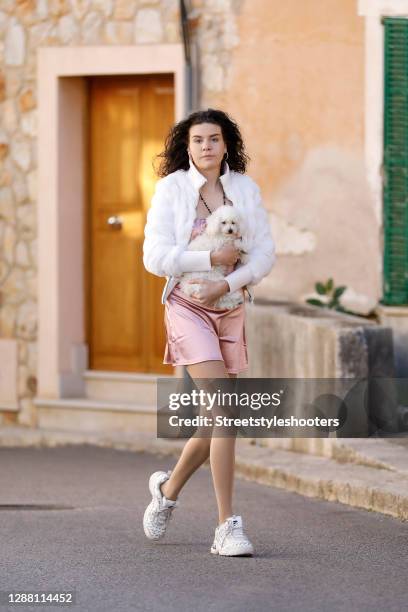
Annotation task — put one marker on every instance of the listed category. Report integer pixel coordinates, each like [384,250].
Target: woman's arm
[161,254]
[262,255]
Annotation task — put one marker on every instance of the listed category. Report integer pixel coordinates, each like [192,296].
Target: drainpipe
[191,98]
[190,56]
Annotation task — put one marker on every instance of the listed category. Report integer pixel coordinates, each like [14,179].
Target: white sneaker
[158,512]
[230,539]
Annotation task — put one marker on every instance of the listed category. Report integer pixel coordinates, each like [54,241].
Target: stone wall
[26,25]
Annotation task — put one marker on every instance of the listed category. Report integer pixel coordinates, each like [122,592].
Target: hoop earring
[226,157]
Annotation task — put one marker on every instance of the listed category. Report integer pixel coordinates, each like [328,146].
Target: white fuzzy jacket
[170,220]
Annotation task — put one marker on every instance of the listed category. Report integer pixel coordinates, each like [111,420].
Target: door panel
[129,119]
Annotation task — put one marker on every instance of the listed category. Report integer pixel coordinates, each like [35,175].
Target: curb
[368,488]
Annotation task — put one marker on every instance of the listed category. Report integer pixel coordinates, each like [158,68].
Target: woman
[195,180]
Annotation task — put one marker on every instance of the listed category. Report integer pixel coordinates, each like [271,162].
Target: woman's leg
[197,450]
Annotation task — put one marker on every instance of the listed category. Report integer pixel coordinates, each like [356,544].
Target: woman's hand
[209,291]
[228,255]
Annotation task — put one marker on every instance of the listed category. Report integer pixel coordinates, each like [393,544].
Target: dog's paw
[229,301]
[189,288]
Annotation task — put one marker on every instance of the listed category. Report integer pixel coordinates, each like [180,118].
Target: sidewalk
[366,473]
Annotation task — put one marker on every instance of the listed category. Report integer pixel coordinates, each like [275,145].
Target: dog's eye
[223,222]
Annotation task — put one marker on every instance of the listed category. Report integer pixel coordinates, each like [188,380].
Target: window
[395,162]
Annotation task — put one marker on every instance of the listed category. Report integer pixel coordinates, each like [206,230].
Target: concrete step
[379,453]
[371,488]
[121,387]
[82,414]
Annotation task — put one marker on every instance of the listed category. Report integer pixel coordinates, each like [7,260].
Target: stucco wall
[295,83]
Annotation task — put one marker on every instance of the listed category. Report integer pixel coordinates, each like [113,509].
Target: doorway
[129,118]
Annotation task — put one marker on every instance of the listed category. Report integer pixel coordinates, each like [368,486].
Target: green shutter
[395,191]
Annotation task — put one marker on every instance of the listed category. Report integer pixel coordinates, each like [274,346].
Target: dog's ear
[240,219]
[213,225]
[240,223]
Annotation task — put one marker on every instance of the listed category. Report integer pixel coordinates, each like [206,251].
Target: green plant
[334,293]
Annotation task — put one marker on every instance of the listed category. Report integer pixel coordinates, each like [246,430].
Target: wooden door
[129,119]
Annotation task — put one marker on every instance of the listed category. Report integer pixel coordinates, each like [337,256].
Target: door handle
[115,222]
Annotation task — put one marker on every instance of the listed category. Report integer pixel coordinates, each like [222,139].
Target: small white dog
[224,226]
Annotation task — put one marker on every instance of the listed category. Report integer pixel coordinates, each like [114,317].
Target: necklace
[205,203]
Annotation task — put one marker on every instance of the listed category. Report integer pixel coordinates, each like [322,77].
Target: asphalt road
[311,555]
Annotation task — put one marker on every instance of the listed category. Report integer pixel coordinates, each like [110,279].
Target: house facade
[88,91]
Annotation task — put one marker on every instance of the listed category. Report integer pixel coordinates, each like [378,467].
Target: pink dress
[197,333]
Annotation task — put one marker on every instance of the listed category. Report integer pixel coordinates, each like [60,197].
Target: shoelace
[164,514]
[234,530]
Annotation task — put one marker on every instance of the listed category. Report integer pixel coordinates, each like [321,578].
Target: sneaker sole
[214,551]
[151,489]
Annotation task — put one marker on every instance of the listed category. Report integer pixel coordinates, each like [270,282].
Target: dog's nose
[230,231]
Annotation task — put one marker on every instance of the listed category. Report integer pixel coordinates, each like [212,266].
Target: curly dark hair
[175,156]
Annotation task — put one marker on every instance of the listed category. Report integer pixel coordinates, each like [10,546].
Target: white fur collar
[197,179]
